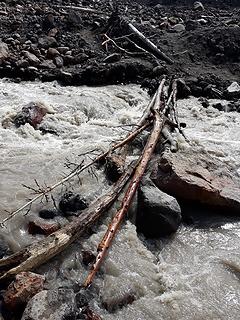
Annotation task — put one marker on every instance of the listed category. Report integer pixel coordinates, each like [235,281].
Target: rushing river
[194,275]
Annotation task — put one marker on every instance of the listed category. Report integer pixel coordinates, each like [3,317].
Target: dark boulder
[70,203]
[158,213]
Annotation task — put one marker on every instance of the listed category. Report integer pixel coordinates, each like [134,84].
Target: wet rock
[31,58]
[114,57]
[4,248]
[219,106]
[114,167]
[183,90]
[204,102]
[178,28]
[70,203]
[190,175]
[53,32]
[56,304]
[22,289]
[87,257]
[88,314]
[48,213]
[38,227]
[158,213]
[198,6]
[74,19]
[48,22]
[32,113]
[4,53]
[47,42]
[233,91]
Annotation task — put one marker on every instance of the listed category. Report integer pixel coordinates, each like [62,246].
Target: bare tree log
[40,252]
[82,9]
[149,44]
[133,185]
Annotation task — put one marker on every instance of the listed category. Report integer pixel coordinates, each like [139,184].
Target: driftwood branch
[149,44]
[159,120]
[40,252]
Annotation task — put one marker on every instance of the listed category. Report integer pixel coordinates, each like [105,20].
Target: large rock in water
[190,175]
[57,304]
[158,213]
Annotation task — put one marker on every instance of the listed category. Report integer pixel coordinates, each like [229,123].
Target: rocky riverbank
[50,41]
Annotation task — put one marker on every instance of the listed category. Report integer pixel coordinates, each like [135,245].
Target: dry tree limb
[41,251]
[133,185]
[141,127]
[83,9]
[149,44]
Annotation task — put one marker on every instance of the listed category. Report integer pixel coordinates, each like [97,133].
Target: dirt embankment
[48,41]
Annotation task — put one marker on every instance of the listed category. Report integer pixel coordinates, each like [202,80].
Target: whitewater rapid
[194,275]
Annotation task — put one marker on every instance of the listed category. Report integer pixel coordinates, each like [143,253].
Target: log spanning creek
[192,275]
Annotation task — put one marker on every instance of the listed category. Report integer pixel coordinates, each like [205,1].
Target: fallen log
[150,46]
[159,120]
[40,252]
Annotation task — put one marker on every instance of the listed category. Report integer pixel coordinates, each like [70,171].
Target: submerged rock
[22,289]
[198,177]
[56,304]
[71,203]
[158,213]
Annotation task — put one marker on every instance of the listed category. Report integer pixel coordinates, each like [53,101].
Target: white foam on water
[193,275]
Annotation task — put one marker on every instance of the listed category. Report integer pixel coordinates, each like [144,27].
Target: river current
[194,275]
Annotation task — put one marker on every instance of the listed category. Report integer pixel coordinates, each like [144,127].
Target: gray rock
[58,61]
[178,28]
[52,52]
[57,304]
[31,58]
[47,42]
[47,64]
[3,52]
[158,213]
[233,91]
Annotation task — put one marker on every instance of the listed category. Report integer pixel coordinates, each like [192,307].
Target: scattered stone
[53,32]
[22,289]
[178,28]
[158,213]
[32,113]
[52,52]
[47,42]
[70,203]
[219,106]
[31,58]
[38,227]
[233,91]
[59,61]
[22,63]
[4,53]
[47,64]
[63,50]
[89,314]
[114,57]
[198,6]
[194,176]
[48,213]
[56,304]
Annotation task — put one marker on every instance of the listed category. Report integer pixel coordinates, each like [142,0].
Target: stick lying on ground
[148,44]
[132,188]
